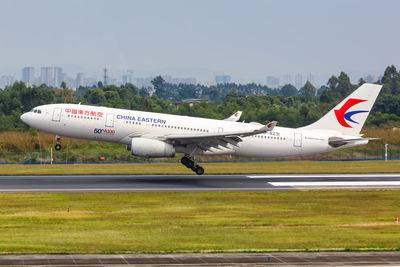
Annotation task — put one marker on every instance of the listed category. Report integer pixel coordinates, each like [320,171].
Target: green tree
[308,91]
[159,87]
[95,96]
[289,90]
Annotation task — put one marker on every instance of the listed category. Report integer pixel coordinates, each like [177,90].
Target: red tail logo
[341,114]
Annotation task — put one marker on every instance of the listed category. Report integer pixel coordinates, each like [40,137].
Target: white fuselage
[120,126]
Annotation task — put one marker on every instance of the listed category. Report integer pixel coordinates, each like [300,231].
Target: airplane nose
[24,117]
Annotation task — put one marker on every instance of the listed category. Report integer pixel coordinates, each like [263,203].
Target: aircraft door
[110,120]
[56,114]
[297,140]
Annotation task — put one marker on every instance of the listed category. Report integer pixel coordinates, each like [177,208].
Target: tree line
[289,106]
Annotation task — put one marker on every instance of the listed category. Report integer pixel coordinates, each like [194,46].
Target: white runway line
[340,183]
[323,175]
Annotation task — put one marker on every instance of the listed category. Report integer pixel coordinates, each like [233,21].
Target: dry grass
[32,141]
[389,134]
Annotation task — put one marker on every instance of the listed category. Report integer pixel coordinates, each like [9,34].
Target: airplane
[149,134]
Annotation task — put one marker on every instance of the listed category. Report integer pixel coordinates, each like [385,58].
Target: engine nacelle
[150,148]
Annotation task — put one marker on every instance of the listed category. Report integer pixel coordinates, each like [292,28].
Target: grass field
[183,222]
[211,168]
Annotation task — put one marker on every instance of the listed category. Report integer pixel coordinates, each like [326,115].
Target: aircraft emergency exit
[149,134]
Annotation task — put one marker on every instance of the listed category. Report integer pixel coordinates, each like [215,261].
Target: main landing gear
[58,146]
[191,164]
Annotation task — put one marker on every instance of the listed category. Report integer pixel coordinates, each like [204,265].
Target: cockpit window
[36,111]
[39,111]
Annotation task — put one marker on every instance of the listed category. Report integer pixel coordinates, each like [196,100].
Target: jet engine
[151,148]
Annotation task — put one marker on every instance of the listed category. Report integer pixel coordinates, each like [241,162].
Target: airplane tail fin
[349,116]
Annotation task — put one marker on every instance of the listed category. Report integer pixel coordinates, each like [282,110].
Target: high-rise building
[143,82]
[80,80]
[272,81]
[311,79]
[128,77]
[371,78]
[6,80]
[58,76]
[188,80]
[222,79]
[298,81]
[46,76]
[28,76]
[286,79]
[105,81]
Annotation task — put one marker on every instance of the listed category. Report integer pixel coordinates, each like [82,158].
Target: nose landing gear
[192,164]
[58,146]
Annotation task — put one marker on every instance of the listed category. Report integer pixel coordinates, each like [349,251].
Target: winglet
[269,127]
[235,116]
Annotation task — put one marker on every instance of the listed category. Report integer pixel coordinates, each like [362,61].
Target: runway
[181,183]
[207,259]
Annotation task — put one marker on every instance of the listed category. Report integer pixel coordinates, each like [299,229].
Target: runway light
[102,158]
[397,220]
[245,224]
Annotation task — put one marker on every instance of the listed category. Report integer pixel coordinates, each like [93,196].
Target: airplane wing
[206,141]
[235,116]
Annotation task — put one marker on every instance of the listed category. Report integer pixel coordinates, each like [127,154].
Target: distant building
[105,77]
[222,79]
[184,80]
[311,79]
[58,76]
[286,79]
[298,81]
[178,80]
[272,81]
[371,79]
[46,76]
[6,80]
[80,80]
[28,76]
[144,82]
[128,77]
[191,101]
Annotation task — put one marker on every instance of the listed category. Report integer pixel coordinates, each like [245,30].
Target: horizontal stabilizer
[337,141]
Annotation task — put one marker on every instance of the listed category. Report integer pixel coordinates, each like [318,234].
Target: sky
[245,39]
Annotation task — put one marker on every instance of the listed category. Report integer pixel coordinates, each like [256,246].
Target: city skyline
[246,40]
[53,76]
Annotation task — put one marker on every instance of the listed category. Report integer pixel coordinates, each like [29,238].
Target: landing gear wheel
[190,164]
[187,162]
[184,160]
[57,147]
[198,170]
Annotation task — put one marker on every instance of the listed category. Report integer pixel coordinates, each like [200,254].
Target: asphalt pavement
[177,183]
[207,259]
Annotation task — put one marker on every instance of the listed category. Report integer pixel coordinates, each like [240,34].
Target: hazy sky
[246,39]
